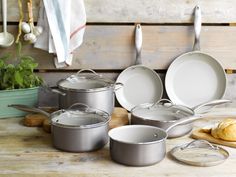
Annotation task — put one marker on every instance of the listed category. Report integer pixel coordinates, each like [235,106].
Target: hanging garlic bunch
[31,31]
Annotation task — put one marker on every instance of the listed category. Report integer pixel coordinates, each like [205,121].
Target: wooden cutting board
[199,134]
[119,118]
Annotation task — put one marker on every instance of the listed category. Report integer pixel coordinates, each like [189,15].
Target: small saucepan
[164,113]
[76,129]
[141,145]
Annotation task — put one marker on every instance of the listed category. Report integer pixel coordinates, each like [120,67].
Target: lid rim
[109,86]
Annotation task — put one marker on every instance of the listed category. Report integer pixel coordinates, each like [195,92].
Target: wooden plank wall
[108,45]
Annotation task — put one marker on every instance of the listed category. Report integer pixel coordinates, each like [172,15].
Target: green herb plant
[20,74]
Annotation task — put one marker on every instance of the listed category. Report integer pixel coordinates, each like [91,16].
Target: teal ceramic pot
[27,96]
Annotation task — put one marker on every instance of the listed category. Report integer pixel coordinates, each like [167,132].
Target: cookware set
[86,101]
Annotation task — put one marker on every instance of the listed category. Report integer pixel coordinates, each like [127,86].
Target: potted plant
[18,83]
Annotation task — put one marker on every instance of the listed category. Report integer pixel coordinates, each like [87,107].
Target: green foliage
[19,75]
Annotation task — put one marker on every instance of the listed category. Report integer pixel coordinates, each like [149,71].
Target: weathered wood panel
[147,11]
[112,47]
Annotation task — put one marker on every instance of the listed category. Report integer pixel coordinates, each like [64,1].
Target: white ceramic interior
[195,78]
[137,134]
[70,119]
[141,85]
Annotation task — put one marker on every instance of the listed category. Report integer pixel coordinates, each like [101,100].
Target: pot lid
[80,116]
[85,82]
[200,153]
[163,110]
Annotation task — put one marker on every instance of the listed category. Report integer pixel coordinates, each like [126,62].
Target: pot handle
[82,70]
[197,27]
[118,85]
[54,90]
[29,109]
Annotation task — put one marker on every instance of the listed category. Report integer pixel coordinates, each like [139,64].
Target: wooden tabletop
[28,151]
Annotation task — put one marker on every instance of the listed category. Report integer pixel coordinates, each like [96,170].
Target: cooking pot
[76,129]
[89,88]
[164,113]
[141,145]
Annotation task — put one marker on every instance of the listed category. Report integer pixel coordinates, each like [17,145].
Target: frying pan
[195,77]
[141,84]
[164,113]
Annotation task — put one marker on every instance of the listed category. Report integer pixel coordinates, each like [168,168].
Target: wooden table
[28,151]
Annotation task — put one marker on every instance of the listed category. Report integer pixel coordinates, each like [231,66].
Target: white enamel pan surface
[141,84]
[195,77]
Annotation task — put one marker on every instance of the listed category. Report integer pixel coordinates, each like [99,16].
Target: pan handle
[138,43]
[211,103]
[29,109]
[184,121]
[197,27]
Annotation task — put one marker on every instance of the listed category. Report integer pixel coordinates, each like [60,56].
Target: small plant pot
[28,96]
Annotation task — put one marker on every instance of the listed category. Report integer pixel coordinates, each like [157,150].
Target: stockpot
[164,113]
[141,145]
[89,88]
[76,129]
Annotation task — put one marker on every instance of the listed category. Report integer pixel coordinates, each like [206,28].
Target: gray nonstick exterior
[137,155]
[179,130]
[79,139]
[102,99]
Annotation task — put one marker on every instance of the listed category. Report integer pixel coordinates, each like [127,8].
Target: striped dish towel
[64,25]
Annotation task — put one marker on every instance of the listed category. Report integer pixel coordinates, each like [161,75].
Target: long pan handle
[183,121]
[197,28]
[138,43]
[29,109]
[211,103]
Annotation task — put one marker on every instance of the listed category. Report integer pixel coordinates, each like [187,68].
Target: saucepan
[89,88]
[76,129]
[141,145]
[164,113]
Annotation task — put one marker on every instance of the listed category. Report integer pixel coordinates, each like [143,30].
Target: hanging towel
[64,25]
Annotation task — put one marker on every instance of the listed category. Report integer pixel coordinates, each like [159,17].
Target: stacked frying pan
[192,79]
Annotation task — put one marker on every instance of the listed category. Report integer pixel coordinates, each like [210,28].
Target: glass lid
[80,115]
[85,81]
[163,110]
[200,153]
